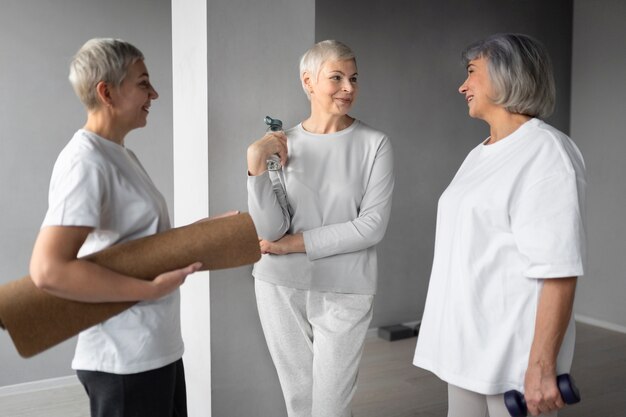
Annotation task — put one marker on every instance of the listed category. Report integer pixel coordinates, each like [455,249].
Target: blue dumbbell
[516,403]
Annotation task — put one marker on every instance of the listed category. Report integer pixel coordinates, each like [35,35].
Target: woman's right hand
[171,280]
[273,143]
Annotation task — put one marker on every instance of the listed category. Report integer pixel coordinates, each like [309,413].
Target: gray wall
[598,126]
[408,54]
[253,53]
[39,113]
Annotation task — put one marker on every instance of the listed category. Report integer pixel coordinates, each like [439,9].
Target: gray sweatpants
[315,340]
[464,403]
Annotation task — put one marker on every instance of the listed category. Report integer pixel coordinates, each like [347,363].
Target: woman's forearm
[553,316]
[271,220]
[81,280]
[55,268]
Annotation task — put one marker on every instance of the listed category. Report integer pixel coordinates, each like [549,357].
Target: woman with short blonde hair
[100,195]
[319,222]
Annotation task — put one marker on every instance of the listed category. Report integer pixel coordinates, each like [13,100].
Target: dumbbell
[516,403]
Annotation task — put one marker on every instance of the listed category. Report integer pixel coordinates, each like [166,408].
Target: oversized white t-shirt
[512,216]
[98,183]
[339,187]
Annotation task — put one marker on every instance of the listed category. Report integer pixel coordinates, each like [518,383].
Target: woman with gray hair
[510,242]
[100,195]
[318,232]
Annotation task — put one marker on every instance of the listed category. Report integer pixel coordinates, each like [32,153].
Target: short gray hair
[321,52]
[520,70]
[101,59]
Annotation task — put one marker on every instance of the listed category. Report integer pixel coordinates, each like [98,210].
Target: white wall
[39,113]
[598,124]
[191,186]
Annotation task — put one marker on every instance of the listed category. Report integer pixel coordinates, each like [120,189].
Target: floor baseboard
[41,385]
[600,323]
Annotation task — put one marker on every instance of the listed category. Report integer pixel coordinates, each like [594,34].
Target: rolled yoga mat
[37,320]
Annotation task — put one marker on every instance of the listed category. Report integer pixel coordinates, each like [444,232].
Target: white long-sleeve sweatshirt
[339,187]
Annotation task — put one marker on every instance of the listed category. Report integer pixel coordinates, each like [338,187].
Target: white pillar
[191,186]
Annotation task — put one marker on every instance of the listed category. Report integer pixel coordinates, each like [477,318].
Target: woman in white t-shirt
[510,242]
[319,220]
[100,195]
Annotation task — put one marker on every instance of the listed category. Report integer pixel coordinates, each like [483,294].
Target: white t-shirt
[339,186]
[98,183]
[512,216]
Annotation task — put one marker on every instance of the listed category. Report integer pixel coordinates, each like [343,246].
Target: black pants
[156,393]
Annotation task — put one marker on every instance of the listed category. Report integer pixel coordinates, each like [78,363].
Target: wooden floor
[68,401]
[389,386]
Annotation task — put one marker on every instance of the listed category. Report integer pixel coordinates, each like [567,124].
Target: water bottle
[274,125]
[276,170]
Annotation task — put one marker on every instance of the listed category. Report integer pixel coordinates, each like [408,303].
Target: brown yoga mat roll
[37,320]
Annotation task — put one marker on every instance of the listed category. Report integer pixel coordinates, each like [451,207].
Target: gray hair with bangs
[101,59]
[312,60]
[520,70]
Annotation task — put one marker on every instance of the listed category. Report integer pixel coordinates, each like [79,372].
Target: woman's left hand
[284,245]
[541,391]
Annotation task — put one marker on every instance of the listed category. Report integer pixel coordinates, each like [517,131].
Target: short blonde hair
[520,70]
[101,59]
[312,60]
